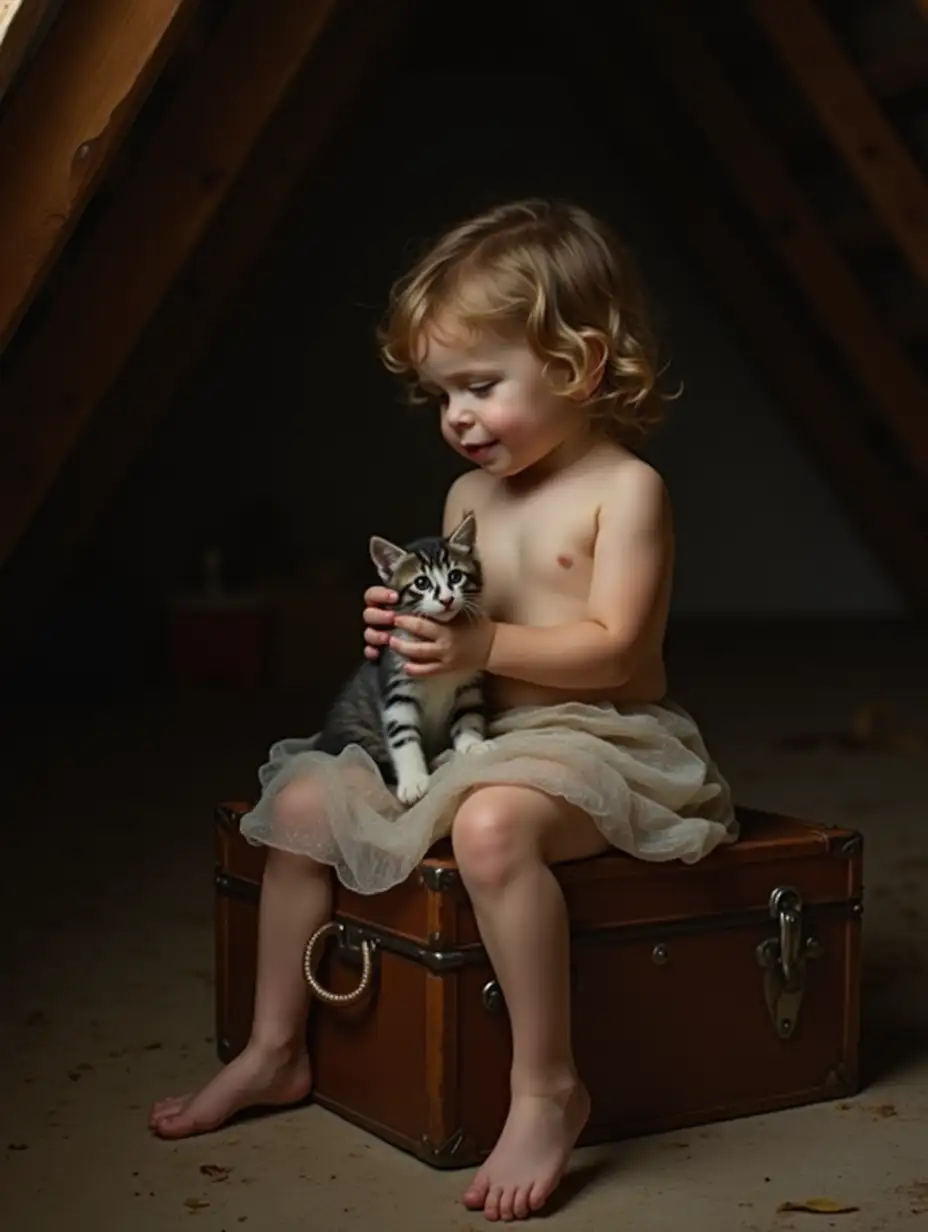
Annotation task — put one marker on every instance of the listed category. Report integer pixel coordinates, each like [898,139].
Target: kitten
[403,721]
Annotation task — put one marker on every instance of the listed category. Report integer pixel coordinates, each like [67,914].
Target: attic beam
[876,357]
[835,89]
[346,59]
[21,22]
[148,232]
[63,124]
[631,105]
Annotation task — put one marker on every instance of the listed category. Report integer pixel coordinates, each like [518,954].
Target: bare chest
[537,561]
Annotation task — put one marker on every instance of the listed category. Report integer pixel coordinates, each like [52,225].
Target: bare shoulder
[632,490]
[468,492]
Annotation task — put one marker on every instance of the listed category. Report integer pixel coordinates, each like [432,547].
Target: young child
[526,328]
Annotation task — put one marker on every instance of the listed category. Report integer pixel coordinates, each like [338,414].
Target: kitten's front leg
[468,720]
[402,722]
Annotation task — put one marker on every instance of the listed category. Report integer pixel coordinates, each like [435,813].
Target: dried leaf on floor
[917,1194]
[17,1146]
[152,1047]
[819,1206]
[215,1172]
[195,1204]
[882,1111]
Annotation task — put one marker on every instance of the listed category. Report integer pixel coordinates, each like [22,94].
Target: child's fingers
[371,652]
[374,637]
[422,652]
[424,669]
[379,596]
[377,616]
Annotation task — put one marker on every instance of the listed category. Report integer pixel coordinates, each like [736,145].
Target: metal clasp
[783,959]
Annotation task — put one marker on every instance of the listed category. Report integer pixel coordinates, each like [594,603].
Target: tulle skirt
[641,772]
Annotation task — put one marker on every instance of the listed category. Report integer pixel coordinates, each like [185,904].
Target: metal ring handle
[336,998]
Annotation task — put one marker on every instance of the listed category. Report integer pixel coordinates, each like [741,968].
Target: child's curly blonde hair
[556,275]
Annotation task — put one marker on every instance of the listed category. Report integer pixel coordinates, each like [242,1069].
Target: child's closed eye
[482,389]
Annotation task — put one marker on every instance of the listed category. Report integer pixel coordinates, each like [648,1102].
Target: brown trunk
[683,1013]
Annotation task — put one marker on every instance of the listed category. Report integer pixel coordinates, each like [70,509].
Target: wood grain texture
[877,156]
[66,120]
[122,273]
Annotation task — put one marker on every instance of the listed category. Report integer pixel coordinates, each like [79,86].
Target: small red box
[221,641]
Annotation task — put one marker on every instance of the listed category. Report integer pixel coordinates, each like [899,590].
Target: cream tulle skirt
[642,773]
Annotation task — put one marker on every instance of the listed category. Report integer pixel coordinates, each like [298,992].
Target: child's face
[498,408]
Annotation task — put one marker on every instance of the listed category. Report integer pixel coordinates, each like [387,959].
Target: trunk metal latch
[783,959]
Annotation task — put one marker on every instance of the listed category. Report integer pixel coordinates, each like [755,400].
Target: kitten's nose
[446,603]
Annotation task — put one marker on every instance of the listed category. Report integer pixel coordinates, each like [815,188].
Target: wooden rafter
[127,265]
[65,121]
[191,311]
[885,170]
[884,514]
[21,22]
[893,384]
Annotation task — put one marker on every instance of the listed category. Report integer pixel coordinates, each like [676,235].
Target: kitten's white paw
[412,788]
[470,742]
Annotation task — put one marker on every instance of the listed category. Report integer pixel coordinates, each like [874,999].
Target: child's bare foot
[256,1077]
[532,1153]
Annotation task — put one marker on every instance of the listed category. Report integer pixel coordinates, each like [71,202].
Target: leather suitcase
[701,992]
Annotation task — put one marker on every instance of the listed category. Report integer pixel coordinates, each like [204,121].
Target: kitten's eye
[422,582]
[455,577]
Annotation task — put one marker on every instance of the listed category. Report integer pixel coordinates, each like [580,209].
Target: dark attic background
[285,445]
[202,206]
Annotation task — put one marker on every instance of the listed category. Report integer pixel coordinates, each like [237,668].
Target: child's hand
[376,615]
[464,645]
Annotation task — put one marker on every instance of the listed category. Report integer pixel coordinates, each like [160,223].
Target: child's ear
[386,556]
[464,534]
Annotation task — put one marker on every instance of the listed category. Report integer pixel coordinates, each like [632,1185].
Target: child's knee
[490,840]
[298,807]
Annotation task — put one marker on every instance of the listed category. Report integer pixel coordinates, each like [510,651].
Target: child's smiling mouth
[479,451]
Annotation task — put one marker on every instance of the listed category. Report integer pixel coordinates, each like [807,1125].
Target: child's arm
[631,559]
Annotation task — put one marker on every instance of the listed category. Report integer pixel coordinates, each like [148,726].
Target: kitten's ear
[464,534]
[386,556]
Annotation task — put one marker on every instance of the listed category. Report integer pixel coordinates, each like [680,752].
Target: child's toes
[520,1204]
[492,1204]
[506,1204]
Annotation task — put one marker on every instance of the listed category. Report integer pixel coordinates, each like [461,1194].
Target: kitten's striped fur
[402,721]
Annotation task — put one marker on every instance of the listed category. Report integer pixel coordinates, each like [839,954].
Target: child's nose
[460,416]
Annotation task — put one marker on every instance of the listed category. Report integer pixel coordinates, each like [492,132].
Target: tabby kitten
[403,721]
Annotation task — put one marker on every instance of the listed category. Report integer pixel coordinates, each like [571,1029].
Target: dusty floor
[106,997]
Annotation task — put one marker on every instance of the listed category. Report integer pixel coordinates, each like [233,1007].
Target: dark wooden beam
[345,60]
[160,213]
[64,123]
[21,24]
[630,104]
[876,357]
[875,153]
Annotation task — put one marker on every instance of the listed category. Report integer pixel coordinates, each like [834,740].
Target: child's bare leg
[504,838]
[296,897]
